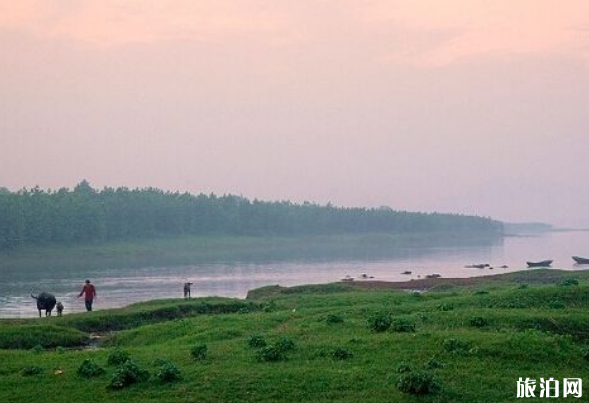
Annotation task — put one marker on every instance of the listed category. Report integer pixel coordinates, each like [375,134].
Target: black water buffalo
[46,302]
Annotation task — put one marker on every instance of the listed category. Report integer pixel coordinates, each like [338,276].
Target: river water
[120,286]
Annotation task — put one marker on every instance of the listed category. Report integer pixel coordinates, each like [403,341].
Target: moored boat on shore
[478,266]
[580,260]
[543,263]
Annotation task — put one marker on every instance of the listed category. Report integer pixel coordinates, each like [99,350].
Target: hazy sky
[473,106]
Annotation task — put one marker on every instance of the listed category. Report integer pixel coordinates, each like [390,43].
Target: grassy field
[467,342]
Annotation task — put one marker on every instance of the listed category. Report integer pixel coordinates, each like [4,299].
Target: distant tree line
[38,217]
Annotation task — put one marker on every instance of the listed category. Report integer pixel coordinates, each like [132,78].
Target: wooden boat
[478,266]
[581,260]
[543,263]
[406,272]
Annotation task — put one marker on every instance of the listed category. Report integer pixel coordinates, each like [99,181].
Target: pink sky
[471,106]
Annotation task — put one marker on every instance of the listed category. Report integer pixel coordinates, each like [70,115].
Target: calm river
[119,286]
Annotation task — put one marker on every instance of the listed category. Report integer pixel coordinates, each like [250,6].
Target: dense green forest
[39,217]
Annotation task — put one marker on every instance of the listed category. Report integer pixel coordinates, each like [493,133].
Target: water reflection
[121,285]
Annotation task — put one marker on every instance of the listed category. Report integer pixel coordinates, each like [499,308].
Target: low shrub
[285,344]
[322,353]
[424,318]
[168,373]
[117,357]
[30,371]
[199,352]
[379,322]
[333,319]
[569,282]
[158,362]
[127,374]
[478,321]
[89,369]
[268,306]
[456,346]
[418,383]
[38,349]
[270,354]
[340,353]
[256,341]
[403,325]
[434,363]
[445,307]
[510,304]
[577,327]
[556,305]
[403,368]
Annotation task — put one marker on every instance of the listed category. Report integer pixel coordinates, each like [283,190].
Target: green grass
[73,330]
[516,332]
[46,336]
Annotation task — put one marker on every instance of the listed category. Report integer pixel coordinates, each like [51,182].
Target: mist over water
[120,286]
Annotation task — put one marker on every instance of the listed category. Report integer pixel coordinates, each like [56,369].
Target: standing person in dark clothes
[89,292]
[187,290]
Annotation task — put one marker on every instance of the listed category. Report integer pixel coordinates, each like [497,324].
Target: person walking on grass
[89,292]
